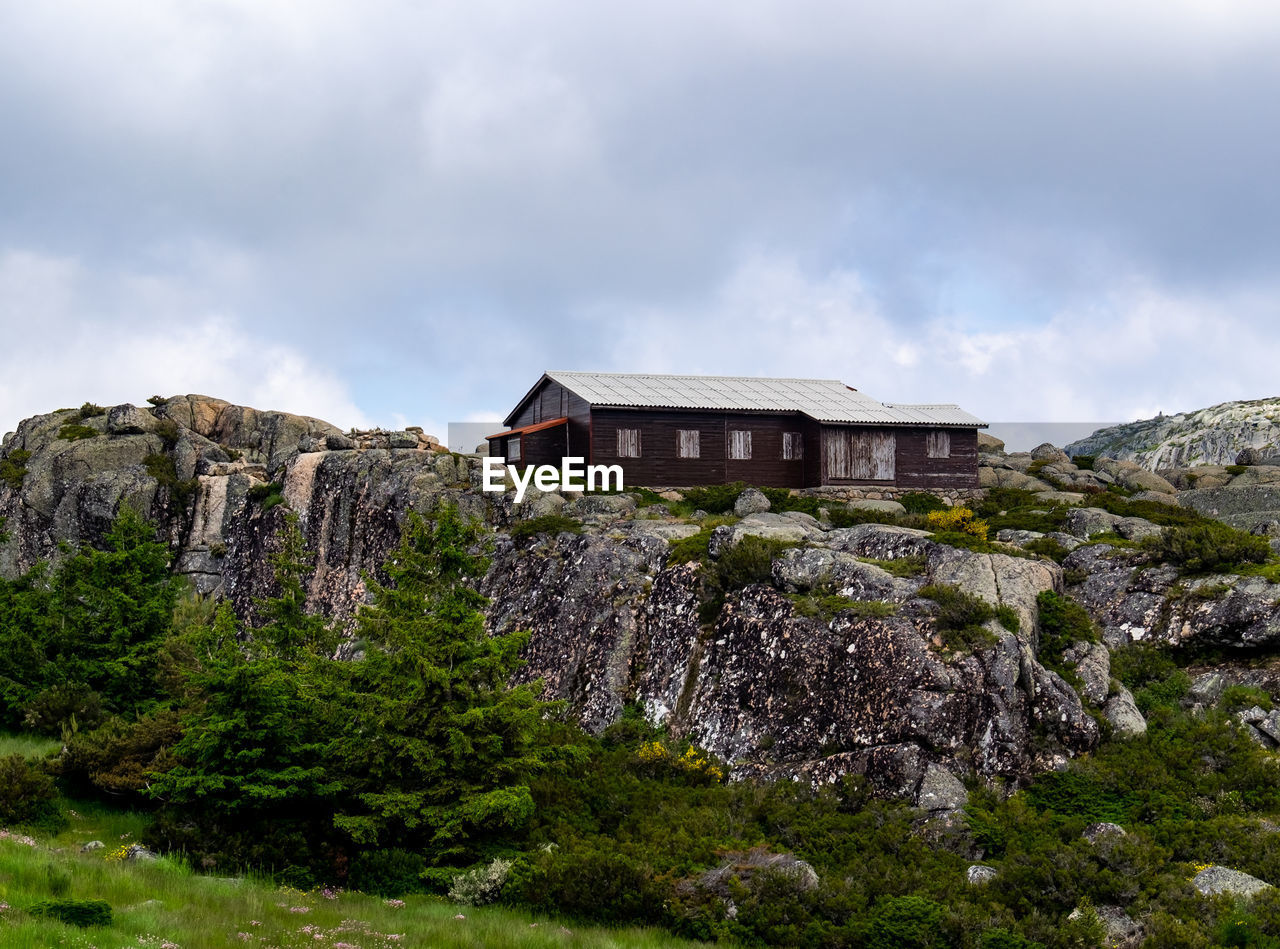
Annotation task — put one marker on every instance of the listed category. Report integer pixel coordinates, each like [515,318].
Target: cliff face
[612,621]
[1212,436]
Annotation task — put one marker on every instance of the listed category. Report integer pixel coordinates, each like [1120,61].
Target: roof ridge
[687,375]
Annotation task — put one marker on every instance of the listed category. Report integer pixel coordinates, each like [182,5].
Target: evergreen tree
[94,622]
[439,748]
[252,756]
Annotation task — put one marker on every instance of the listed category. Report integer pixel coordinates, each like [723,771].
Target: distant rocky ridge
[1213,436]
[614,621]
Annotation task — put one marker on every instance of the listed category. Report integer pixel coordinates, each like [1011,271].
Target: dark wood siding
[919,472]
[659,462]
[552,400]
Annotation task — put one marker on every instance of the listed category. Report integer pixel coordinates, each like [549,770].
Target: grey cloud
[479,181]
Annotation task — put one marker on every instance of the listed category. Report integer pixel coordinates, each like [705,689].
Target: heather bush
[482,884]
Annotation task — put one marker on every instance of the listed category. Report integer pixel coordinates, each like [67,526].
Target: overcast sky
[402,212]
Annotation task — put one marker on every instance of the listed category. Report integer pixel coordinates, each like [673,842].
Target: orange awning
[529,428]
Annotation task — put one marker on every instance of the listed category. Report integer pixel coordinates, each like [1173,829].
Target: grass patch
[13,468]
[1018,509]
[1267,571]
[163,900]
[27,745]
[74,432]
[825,606]
[912,566]
[546,524]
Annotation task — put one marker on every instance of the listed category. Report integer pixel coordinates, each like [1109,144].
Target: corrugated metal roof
[826,400]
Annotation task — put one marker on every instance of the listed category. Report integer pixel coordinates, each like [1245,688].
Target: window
[687,443]
[792,446]
[628,443]
[938,444]
[739,445]
[513,448]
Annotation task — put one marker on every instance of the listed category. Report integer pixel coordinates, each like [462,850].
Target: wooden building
[689,430]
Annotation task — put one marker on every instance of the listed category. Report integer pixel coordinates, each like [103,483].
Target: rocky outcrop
[1213,436]
[1133,601]
[868,687]
[1212,881]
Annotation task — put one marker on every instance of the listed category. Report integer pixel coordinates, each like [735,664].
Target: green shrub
[748,561]
[922,502]
[1018,509]
[589,880]
[1047,547]
[156,400]
[268,495]
[1207,547]
[853,516]
[75,432]
[715,498]
[87,411]
[1166,694]
[546,524]
[67,706]
[27,795]
[1237,697]
[1077,794]
[1140,664]
[165,472]
[1063,621]
[1008,617]
[960,617]
[1007,938]
[781,499]
[13,468]
[390,872]
[906,922]
[690,549]
[82,913]
[1084,462]
[1237,469]
[1165,515]
[168,431]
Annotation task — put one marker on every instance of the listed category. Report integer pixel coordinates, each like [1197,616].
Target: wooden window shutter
[513,448]
[628,443]
[938,444]
[688,443]
[792,446]
[740,445]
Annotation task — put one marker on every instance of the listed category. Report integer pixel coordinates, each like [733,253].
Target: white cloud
[1138,349]
[72,335]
